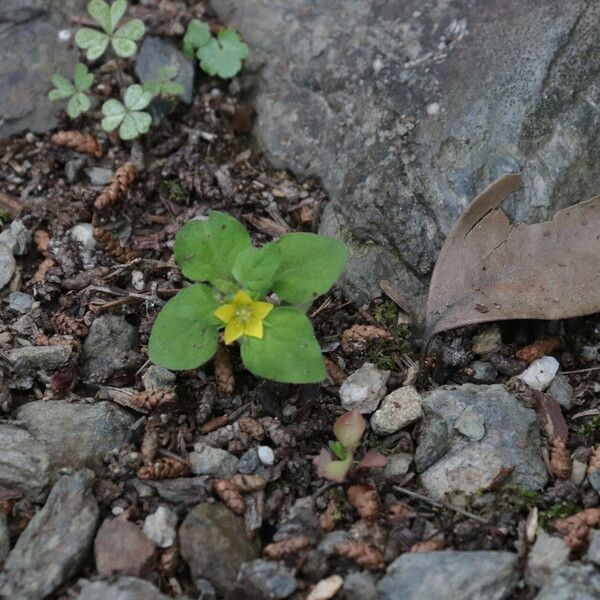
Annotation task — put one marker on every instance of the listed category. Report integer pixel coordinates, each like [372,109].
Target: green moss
[518,497]
[590,428]
[558,511]
[176,192]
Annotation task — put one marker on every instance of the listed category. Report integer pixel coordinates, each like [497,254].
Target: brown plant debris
[224,372]
[594,460]
[560,459]
[164,468]
[151,400]
[112,247]
[365,500]
[428,546]
[78,141]
[252,427]
[149,446]
[249,483]
[42,241]
[230,495]
[335,372]
[278,433]
[41,271]
[357,337]
[293,545]
[538,349]
[118,186]
[576,529]
[168,561]
[398,511]
[329,517]
[67,325]
[362,554]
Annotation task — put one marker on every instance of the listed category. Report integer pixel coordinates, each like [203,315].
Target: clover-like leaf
[164,86]
[130,119]
[114,113]
[100,11]
[117,10]
[223,55]
[310,265]
[77,105]
[196,35]
[123,40]
[63,88]
[82,78]
[94,42]
[79,102]
[134,124]
[287,352]
[207,250]
[184,335]
[136,98]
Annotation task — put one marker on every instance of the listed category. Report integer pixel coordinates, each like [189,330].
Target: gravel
[364,389]
[399,409]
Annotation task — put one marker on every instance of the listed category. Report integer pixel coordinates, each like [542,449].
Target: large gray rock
[76,435]
[450,575]
[32,52]
[24,462]
[214,545]
[574,581]
[407,109]
[124,588]
[55,543]
[511,438]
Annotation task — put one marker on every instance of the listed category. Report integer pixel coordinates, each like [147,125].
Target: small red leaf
[349,428]
[371,460]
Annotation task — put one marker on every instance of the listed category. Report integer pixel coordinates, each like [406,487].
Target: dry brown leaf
[357,337]
[154,399]
[41,271]
[326,588]
[164,468]
[277,550]
[576,529]
[224,372]
[42,241]
[365,500]
[428,546]
[112,247]
[335,372]
[491,269]
[538,349]
[560,459]
[230,495]
[594,460]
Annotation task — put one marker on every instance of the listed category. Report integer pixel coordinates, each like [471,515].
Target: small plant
[165,86]
[123,40]
[128,116]
[79,101]
[220,55]
[348,431]
[277,340]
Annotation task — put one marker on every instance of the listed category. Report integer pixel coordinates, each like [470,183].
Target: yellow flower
[243,316]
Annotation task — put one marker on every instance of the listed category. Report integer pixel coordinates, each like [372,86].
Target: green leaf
[171,88]
[197,34]
[152,87]
[348,430]
[117,10]
[63,85]
[77,105]
[338,449]
[255,268]
[134,124]
[82,78]
[223,55]
[335,470]
[124,47]
[92,41]
[184,335]
[136,98]
[310,265]
[113,112]
[167,72]
[206,250]
[132,30]
[287,352]
[100,12]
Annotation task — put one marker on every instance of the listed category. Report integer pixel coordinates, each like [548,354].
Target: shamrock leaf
[128,116]
[165,86]
[223,55]
[196,35]
[123,40]
[79,101]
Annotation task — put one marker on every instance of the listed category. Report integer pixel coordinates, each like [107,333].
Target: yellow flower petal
[242,297]
[233,331]
[225,313]
[259,310]
[254,327]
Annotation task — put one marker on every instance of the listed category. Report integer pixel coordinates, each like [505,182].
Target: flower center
[243,313]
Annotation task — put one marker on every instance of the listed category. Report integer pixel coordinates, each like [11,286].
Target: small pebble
[593,553]
[99,176]
[20,302]
[364,389]
[248,462]
[398,409]
[138,281]
[562,391]
[578,472]
[16,237]
[160,527]
[540,373]
[83,233]
[487,340]
[266,455]
[471,424]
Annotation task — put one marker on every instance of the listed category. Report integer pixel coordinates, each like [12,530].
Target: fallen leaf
[491,269]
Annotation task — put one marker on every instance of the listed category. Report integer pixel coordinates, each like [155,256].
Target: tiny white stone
[160,527]
[540,373]
[377,65]
[138,281]
[83,233]
[117,510]
[433,108]
[65,35]
[266,455]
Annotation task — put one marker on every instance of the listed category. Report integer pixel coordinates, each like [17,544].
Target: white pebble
[540,373]
[65,35]
[138,281]
[266,455]
[160,527]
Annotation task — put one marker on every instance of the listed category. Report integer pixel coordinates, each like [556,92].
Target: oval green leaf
[77,105]
[82,78]
[255,268]
[136,98]
[184,335]
[92,41]
[287,352]
[124,47]
[100,12]
[132,30]
[117,10]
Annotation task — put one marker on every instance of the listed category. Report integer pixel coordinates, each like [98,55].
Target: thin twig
[441,504]
[581,370]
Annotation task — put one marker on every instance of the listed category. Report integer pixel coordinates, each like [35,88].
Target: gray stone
[182,490]
[511,439]
[124,588]
[482,372]
[16,237]
[160,527]
[31,359]
[76,435]
[158,378]
[406,110]
[540,373]
[264,580]
[99,176]
[594,479]
[329,542]
[4,538]
[206,590]
[213,543]
[574,581]
[359,586]
[55,543]
[364,389]
[434,442]
[24,462]
[400,408]
[154,54]
[487,340]
[546,556]
[248,462]
[471,424]
[300,519]
[109,337]
[83,234]
[31,53]
[593,552]
[7,265]
[20,302]
[266,455]
[561,390]
[449,575]
[206,460]
[397,465]
[72,168]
